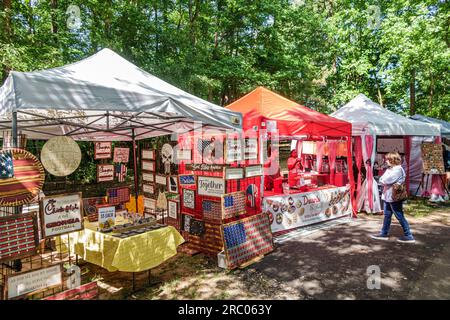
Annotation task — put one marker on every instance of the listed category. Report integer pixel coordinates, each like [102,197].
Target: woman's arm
[391,176]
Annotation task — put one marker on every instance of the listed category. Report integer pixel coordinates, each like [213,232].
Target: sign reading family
[121,155]
[61,214]
[210,186]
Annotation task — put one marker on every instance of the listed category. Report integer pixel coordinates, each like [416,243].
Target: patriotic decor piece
[88,291]
[118,195]
[61,156]
[102,150]
[251,194]
[105,172]
[212,210]
[121,155]
[210,242]
[90,207]
[26,181]
[18,236]
[247,239]
[8,140]
[120,171]
[197,227]
[233,204]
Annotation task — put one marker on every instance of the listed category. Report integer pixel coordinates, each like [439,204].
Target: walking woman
[393,175]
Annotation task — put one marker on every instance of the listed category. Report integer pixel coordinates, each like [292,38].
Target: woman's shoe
[405,239]
[379,237]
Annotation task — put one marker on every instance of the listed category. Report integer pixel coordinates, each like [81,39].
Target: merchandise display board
[247,239]
[433,158]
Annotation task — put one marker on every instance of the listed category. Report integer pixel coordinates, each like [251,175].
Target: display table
[133,254]
[298,209]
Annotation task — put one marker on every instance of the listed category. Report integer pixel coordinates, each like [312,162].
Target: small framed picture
[172,185]
[160,179]
[189,198]
[148,188]
[148,165]
[148,154]
[172,209]
[148,177]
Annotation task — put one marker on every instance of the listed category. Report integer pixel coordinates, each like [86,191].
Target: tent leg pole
[17,263]
[136,177]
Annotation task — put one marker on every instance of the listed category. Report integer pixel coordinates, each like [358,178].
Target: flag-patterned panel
[247,239]
[118,195]
[26,181]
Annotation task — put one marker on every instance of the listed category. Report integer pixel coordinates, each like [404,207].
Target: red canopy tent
[292,119]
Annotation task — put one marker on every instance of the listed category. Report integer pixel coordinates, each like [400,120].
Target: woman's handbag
[399,192]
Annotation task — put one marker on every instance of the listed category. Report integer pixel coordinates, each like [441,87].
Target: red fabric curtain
[369,171]
[350,175]
[359,161]
[332,149]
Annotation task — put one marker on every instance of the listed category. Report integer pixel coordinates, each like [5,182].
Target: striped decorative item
[28,179]
[121,172]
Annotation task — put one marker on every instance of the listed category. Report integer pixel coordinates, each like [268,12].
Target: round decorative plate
[61,156]
[21,182]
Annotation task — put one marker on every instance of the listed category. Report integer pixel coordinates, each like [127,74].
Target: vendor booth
[377,131]
[319,180]
[109,101]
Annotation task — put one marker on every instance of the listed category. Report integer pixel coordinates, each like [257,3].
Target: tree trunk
[430,97]
[7,34]
[54,6]
[412,92]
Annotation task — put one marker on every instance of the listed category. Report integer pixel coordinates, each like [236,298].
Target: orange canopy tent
[262,105]
[292,119]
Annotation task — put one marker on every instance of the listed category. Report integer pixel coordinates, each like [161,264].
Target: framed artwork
[148,177]
[233,173]
[148,154]
[183,155]
[251,149]
[253,171]
[433,158]
[148,188]
[172,186]
[187,180]
[105,172]
[233,150]
[172,209]
[160,179]
[188,198]
[148,165]
[102,150]
[121,155]
[210,186]
[149,203]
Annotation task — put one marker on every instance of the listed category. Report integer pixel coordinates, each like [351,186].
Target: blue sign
[187,180]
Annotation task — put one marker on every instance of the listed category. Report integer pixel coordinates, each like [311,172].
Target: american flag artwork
[211,210]
[121,172]
[247,239]
[6,165]
[118,195]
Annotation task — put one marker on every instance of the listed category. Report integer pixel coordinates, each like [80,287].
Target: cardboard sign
[121,155]
[187,180]
[102,150]
[26,283]
[148,165]
[210,186]
[61,214]
[88,291]
[18,236]
[251,149]
[233,150]
[433,158]
[148,177]
[105,172]
[172,209]
[106,216]
[148,154]
[253,171]
[233,173]
[189,198]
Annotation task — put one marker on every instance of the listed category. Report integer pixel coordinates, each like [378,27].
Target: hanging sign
[61,214]
[187,180]
[148,154]
[148,165]
[18,236]
[61,156]
[189,198]
[210,186]
[105,172]
[25,283]
[106,216]
[204,167]
[102,150]
[251,149]
[233,150]
[161,179]
[185,155]
[253,171]
[149,203]
[149,177]
[172,209]
[121,155]
[233,173]
[148,188]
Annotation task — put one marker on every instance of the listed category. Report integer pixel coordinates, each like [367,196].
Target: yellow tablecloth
[133,254]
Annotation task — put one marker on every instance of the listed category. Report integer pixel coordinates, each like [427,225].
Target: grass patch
[421,207]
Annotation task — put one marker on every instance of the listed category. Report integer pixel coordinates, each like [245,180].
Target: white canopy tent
[445,126]
[104,97]
[370,120]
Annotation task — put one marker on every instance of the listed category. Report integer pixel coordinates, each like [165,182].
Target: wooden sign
[149,203]
[88,291]
[102,150]
[251,149]
[253,171]
[433,158]
[233,173]
[189,198]
[233,150]
[172,185]
[185,155]
[187,180]
[148,154]
[105,172]
[172,209]
[385,145]
[148,165]
[61,214]
[204,167]
[161,179]
[121,155]
[106,216]
[247,239]
[148,177]
[32,282]
[210,186]
[233,204]
[148,188]
[18,236]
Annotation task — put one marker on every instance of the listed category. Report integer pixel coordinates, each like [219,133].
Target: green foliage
[318,52]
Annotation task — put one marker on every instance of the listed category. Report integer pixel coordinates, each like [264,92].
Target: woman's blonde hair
[394,158]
